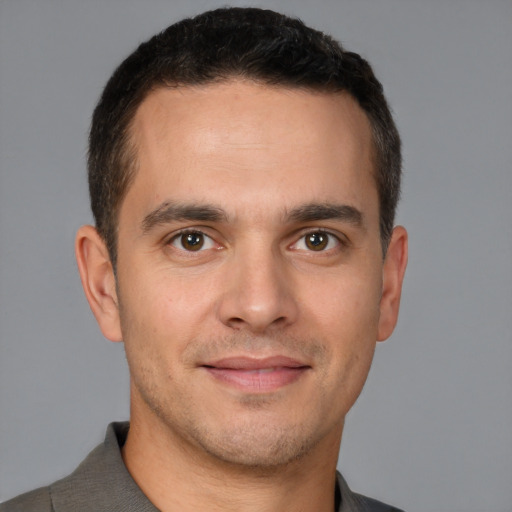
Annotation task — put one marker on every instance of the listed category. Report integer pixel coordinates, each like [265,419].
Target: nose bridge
[258,290]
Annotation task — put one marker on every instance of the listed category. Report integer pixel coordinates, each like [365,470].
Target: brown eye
[192,241]
[317,241]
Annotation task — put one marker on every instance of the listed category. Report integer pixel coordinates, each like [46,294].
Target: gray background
[432,429]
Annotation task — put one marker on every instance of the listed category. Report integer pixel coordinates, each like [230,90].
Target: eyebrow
[169,212]
[325,211]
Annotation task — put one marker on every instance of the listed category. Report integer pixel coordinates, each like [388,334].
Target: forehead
[241,140]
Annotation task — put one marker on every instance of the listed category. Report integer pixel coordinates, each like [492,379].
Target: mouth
[257,375]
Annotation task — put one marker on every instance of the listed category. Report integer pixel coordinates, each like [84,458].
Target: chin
[256,446]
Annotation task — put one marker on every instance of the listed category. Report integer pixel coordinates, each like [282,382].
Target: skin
[248,170]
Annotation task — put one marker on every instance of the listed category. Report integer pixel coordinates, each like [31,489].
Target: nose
[258,293]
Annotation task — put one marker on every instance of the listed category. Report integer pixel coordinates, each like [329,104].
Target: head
[259,45]
[244,174]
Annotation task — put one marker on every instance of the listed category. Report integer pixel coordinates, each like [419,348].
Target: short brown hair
[216,46]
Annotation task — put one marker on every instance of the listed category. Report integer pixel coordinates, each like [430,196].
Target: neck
[176,476]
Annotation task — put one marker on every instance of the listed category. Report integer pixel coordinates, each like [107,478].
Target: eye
[317,241]
[192,241]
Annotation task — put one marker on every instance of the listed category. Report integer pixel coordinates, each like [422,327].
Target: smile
[257,375]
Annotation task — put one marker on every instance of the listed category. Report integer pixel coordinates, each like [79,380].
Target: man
[244,172]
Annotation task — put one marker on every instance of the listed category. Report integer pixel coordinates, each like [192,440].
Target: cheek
[165,310]
[347,305]
[346,314]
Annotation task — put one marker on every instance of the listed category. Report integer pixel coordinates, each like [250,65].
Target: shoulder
[371,505]
[354,502]
[38,500]
[78,490]
[100,482]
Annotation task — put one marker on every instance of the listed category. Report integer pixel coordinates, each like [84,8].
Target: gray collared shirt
[102,483]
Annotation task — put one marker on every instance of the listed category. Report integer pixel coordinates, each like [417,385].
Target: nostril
[236,323]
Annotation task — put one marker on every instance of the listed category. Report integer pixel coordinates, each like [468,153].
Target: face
[250,279]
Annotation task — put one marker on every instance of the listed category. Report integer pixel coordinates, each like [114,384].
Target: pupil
[192,241]
[317,241]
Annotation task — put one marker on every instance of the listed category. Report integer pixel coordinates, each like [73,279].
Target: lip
[255,375]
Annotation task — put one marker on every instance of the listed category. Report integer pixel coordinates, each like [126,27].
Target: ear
[392,279]
[98,281]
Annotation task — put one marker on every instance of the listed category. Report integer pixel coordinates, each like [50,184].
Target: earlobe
[392,280]
[98,281]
